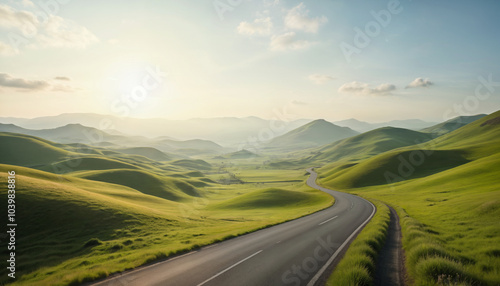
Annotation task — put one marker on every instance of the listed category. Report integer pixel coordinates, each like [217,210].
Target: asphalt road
[292,253]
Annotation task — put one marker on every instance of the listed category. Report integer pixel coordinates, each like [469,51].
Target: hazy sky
[371,60]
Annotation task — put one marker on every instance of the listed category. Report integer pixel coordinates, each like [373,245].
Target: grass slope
[452,124]
[269,198]
[192,164]
[145,182]
[449,215]
[370,143]
[76,230]
[25,150]
[148,152]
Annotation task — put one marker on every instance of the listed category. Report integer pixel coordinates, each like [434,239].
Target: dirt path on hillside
[390,269]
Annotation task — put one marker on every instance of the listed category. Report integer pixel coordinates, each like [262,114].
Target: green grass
[75,229]
[357,267]
[192,164]
[269,199]
[354,148]
[449,206]
[35,151]
[145,182]
[147,152]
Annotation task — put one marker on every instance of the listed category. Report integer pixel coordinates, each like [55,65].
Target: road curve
[292,253]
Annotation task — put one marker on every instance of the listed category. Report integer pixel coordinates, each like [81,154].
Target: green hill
[85,163]
[370,143]
[148,152]
[25,150]
[395,166]
[447,195]
[192,164]
[241,154]
[268,198]
[475,140]
[70,212]
[144,182]
[452,124]
[315,133]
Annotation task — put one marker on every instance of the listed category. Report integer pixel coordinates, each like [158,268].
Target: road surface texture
[293,253]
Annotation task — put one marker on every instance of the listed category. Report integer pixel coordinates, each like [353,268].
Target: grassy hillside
[192,164]
[97,211]
[25,150]
[370,143]
[316,133]
[452,124]
[448,202]
[270,198]
[241,154]
[148,152]
[354,148]
[145,182]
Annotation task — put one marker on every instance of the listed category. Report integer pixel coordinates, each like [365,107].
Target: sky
[370,60]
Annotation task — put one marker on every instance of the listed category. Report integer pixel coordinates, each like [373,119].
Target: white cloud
[59,32]
[62,78]
[420,82]
[7,50]
[23,21]
[22,84]
[54,31]
[260,26]
[298,18]
[28,3]
[320,78]
[288,41]
[363,88]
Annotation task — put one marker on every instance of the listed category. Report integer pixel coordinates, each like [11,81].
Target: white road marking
[328,220]
[227,269]
[325,266]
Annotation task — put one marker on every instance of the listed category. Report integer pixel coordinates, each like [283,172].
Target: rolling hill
[446,193]
[25,150]
[452,124]
[475,140]
[316,133]
[241,154]
[147,183]
[148,152]
[370,143]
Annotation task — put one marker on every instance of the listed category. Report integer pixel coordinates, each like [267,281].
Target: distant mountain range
[77,133]
[361,126]
[224,130]
[204,136]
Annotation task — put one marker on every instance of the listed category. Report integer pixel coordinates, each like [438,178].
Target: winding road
[293,253]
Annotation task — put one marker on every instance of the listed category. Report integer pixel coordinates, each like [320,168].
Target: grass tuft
[357,267]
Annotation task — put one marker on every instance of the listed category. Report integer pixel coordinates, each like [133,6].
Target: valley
[89,210]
